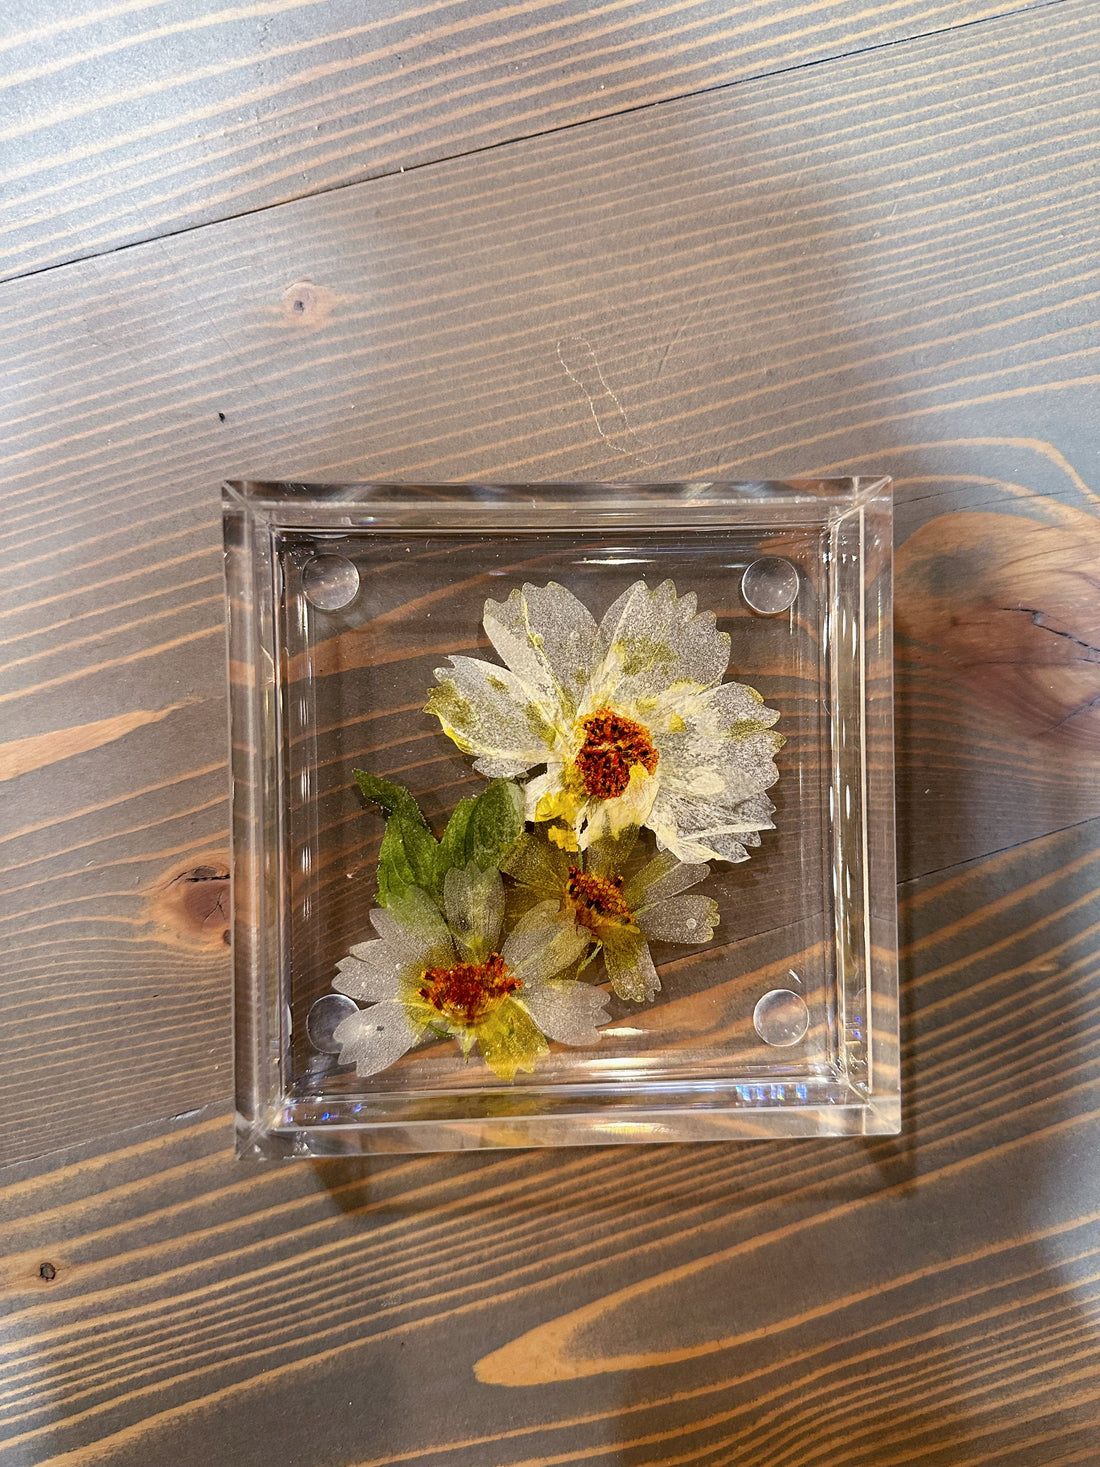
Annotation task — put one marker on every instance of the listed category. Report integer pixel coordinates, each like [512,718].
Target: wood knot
[192,902]
[307,306]
[1009,604]
[47,1272]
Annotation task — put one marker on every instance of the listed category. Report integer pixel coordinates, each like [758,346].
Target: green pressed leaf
[420,848]
[406,858]
[451,850]
[483,830]
[452,847]
[393,798]
[395,874]
[495,823]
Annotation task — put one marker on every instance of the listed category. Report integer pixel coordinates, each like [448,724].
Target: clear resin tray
[347,606]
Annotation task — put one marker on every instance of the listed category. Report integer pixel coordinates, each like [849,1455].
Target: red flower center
[596,899]
[468,992]
[612,746]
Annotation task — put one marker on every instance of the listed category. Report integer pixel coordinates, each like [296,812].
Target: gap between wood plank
[1000,851]
[528,137]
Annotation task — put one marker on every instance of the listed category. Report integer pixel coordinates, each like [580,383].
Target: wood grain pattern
[932,1298]
[20,756]
[880,264]
[137,118]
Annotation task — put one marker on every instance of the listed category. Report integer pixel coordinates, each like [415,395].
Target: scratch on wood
[680,331]
[579,360]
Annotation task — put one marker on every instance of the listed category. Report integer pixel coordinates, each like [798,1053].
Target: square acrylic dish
[343,599]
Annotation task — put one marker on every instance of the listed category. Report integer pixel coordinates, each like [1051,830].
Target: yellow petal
[510,1040]
[559,804]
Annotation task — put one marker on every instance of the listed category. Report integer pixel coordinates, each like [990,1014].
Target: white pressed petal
[474,902]
[696,847]
[499,768]
[683,919]
[373,1039]
[364,950]
[489,712]
[685,818]
[546,636]
[706,833]
[567,1011]
[734,703]
[373,972]
[660,879]
[713,817]
[712,765]
[650,639]
[416,932]
[634,805]
[755,813]
[685,848]
[735,785]
[695,781]
[684,697]
[670,841]
[731,848]
[630,966]
[703,831]
[541,944]
[747,765]
[748,748]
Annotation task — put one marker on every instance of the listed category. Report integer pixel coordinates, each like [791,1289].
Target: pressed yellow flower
[443,975]
[630,718]
[620,913]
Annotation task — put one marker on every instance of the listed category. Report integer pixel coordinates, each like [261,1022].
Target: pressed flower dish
[670,709]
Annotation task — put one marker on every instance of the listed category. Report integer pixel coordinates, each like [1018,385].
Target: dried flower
[630,718]
[447,974]
[621,914]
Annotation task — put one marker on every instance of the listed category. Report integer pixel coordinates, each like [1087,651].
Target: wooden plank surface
[885,263]
[135,118]
[931,1298]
